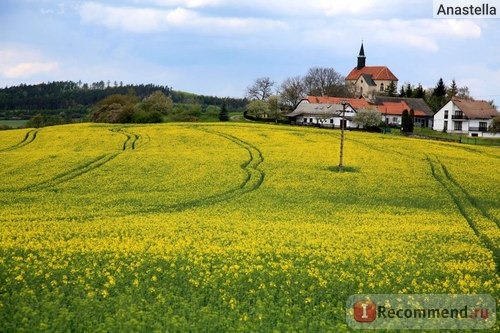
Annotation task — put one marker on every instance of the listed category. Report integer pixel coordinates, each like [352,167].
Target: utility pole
[342,125]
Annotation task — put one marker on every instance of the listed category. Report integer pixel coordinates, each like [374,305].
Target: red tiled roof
[397,108]
[377,73]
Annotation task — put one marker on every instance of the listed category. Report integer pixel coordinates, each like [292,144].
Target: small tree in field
[368,118]
[223,115]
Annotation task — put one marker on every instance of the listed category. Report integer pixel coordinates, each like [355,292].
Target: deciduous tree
[261,89]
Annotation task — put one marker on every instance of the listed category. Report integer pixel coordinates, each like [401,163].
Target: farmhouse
[323,115]
[367,81]
[312,110]
[465,116]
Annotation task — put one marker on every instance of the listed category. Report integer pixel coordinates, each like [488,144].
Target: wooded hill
[73,100]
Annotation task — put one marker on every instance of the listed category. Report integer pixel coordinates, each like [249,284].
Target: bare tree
[261,89]
[292,91]
[323,81]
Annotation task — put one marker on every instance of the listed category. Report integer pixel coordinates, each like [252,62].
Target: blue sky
[218,47]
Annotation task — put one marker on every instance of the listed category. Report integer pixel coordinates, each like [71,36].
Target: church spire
[361,57]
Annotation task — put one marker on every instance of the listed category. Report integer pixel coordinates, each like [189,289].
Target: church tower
[369,81]
[361,58]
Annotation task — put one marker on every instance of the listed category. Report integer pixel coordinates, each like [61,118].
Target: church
[368,81]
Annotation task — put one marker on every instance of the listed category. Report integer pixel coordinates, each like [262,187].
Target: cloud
[283,7]
[143,20]
[17,63]
[423,34]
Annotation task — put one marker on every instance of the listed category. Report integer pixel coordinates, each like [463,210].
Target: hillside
[72,100]
[234,227]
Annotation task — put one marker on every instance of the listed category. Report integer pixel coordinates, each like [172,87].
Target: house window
[445,126]
[331,121]
[458,125]
[446,114]
[381,87]
[483,126]
[310,120]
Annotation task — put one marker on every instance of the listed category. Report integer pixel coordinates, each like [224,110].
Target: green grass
[462,138]
[13,123]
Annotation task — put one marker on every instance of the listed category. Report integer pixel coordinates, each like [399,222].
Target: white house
[322,115]
[466,117]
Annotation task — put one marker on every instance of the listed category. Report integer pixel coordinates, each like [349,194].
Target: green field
[13,123]
[234,227]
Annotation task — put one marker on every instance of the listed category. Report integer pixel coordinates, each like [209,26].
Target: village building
[368,81]
[314,110]
[392,109]
[323,114]
[465,117]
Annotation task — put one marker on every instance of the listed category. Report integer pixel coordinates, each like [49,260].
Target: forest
[67,101]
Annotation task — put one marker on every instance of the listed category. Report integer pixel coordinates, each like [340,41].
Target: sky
[219,47]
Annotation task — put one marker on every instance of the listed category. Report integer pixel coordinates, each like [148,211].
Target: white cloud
[19,63]
[424,35]
[152,20]
[188,3]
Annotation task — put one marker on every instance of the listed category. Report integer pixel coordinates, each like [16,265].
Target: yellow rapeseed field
[234,227]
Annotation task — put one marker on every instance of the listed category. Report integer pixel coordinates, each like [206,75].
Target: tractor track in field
[130,143]
[478,219]
[254,177]
[28,138]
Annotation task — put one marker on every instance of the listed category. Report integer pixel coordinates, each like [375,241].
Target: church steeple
[361,57]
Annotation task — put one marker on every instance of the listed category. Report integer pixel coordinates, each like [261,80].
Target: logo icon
[365,311]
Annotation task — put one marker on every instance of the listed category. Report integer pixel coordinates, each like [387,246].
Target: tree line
[67,100]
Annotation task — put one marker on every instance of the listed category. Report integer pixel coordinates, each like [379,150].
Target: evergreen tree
[411,121]
[402,92]
[419,92]
[223,115]
[409,91]
[406,122]
[453,91]
[440,90]
[391,89]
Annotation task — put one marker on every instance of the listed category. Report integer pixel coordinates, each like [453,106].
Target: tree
[114,109]
[453,91]
[322,81]
[368,118]
[464,93]
[261,89]
[274,107]
[438,96]
[409,90]
[292,91]
[158,102]
[495,125]
[402,92]
[223,115]
[407,121]
[440,89]
[419,91]
[258,109]
[391,89]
